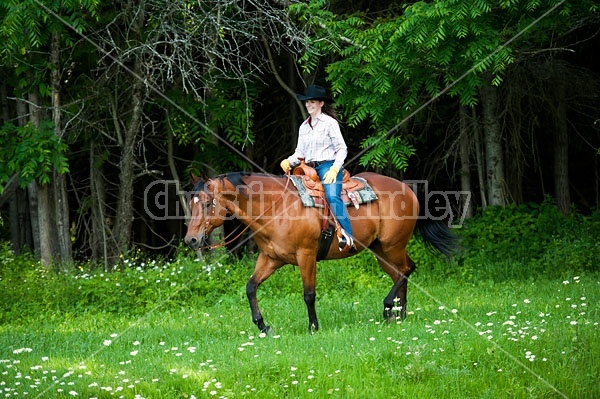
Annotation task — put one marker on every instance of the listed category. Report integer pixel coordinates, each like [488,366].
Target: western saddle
[314,187]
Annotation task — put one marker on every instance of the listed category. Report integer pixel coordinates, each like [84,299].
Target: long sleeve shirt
[322,141]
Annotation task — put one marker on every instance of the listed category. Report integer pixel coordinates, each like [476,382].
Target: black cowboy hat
[314,92]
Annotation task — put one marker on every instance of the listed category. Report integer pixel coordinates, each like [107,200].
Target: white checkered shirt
[321,142]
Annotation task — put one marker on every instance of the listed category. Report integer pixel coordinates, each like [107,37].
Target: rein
[226,240]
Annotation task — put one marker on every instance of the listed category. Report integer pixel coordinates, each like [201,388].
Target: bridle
[228,239]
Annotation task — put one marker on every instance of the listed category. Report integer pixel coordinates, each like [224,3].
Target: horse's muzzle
[195,242]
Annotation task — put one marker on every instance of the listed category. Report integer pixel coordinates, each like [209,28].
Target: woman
[322,146]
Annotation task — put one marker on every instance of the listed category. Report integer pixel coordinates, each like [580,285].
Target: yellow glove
[285,165]
[331,175]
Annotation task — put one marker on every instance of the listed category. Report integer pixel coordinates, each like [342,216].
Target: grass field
[183,330]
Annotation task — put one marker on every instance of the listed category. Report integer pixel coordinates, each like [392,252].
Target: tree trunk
[479,158]
[32,196]
[465,165]
[19,212]
[5,109]
[18,218]
[175,175]
[59,185]
[297,110]
[493,146]
[514,164]
[514,177]
[40,195]
[122,232]
[47,239]
[124,214]
[99,240]
[561,153]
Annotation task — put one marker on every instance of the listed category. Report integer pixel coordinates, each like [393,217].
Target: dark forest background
[101,103]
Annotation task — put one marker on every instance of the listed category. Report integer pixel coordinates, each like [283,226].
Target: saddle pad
[362,196]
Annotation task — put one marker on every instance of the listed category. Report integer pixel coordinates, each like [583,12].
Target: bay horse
[287,232]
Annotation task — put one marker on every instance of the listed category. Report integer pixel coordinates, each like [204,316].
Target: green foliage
[138,285]
[519,242]
[385,151]
[231,111]
[530,240]
[135,289]
[31,153]
[385,69]
[521,230]
[503,244]
[226,115]
[26,26]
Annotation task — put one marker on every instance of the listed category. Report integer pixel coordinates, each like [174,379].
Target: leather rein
[227,240]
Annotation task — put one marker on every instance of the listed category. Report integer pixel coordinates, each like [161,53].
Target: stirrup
[345,243]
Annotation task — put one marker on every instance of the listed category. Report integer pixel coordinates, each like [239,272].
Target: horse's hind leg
[398,266]
[308,270]
[400,295]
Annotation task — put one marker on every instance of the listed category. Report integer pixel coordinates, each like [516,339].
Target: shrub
[515,242]
[527,240]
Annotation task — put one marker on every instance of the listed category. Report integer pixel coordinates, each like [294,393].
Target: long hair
[330,110]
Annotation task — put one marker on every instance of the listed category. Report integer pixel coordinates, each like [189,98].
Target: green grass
[183,330]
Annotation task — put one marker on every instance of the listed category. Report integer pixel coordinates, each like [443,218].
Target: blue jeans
[333,194]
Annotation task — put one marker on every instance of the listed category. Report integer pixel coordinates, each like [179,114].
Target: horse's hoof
[267,330]
[313,328]
[388,315]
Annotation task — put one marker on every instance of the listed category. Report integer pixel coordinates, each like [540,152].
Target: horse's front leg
[308,271]
[265,266]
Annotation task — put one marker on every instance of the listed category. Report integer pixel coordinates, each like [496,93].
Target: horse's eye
[203,203]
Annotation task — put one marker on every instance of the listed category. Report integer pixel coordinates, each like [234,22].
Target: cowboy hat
[314,92]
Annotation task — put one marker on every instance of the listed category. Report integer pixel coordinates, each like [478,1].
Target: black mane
[236,178]
[200,185]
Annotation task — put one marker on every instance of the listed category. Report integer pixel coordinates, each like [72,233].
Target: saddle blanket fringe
[361,196]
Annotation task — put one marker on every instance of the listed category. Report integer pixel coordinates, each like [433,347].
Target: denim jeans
[333,194]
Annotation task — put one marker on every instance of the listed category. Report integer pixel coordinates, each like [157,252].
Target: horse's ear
[195,179]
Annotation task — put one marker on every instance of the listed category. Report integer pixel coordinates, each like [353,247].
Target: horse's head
[207,212]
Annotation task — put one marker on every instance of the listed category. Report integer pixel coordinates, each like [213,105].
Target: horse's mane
[200,185]
[236,178]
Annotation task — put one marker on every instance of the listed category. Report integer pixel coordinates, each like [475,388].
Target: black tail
[437,236]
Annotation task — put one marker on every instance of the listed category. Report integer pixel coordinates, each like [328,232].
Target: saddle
[314,187]
[355,191]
